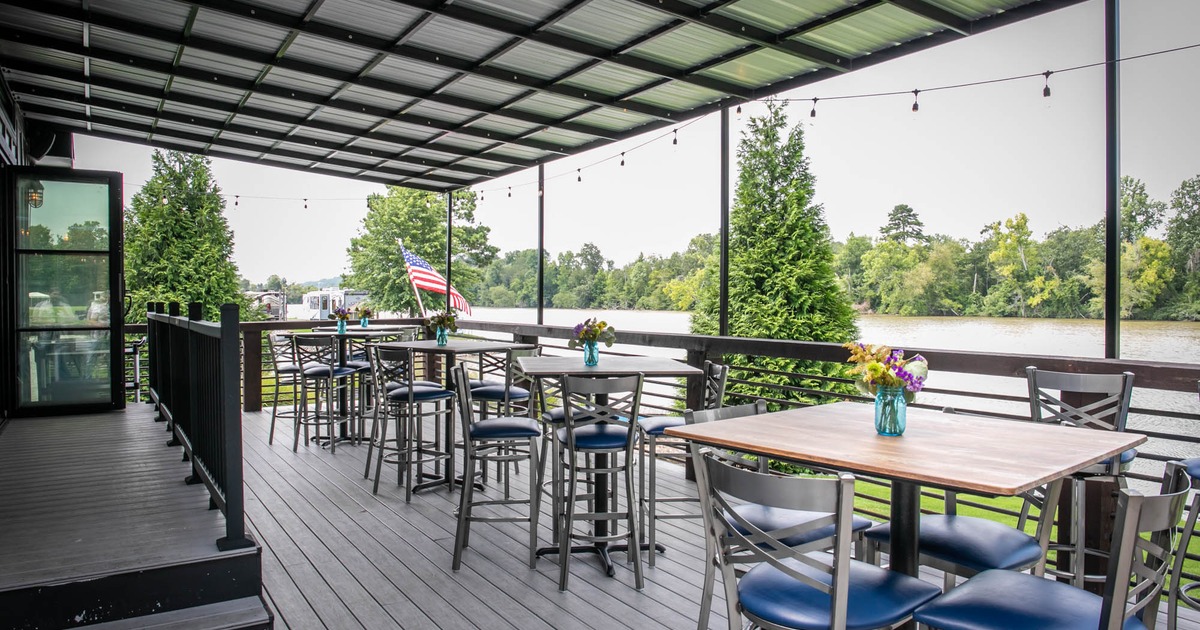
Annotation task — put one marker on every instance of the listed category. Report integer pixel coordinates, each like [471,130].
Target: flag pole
[416,293]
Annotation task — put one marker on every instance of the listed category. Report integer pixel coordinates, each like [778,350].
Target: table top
[609,366]
[961,452]
[458,346]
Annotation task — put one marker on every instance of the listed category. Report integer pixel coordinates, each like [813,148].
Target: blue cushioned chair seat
[394,385]
[496,392]
[475,383]
[505,427]
[1007,599]
[420,393]
[1128,456]
[558,415]
[976,543]
[600,436]
[878,597]
[288,368]
[1193,467]
[323,371]
[655,425]
[769,518]
[354,363]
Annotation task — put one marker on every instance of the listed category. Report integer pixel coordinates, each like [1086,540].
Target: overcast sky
[969,157]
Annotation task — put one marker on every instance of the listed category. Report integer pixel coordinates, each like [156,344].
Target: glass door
[66,273]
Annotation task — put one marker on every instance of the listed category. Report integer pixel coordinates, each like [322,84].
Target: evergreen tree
[418,219]
[781,279]
[1139,213]
[178,245]
[903,225]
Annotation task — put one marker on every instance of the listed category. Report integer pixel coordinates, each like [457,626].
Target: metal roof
[439,94]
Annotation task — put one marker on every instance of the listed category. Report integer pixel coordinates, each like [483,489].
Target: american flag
[423,276]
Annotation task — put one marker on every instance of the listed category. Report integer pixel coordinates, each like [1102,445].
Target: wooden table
[553,367]
[451,350]
[958,452]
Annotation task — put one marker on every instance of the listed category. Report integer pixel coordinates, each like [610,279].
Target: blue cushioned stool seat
[878,597]
[769,518]
[476,384]
[558,415]
[394,385]
[362,365]
[598,436]
[288,368]
[1006,599]
[976,543]
[656,425]
[420,393]
[323,371]
[505,427]
[496,392]
[1193,467]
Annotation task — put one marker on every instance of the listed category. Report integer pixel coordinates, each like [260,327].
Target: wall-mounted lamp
[36,194]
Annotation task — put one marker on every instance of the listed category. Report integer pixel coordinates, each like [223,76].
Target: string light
[510,191]
[164,200]
[306,203]
[675,139]
[739,109]
[813,113]
[1046,90]
[235,200]
[622,158]
[578,174]
[916,105]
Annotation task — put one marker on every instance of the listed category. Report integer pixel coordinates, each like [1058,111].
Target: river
[1158,341]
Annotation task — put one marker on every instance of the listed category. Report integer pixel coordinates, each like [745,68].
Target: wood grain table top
[609,366]
[960,452]
[457,346]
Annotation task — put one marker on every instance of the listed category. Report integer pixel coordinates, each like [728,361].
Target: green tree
[1183,235]
[418,219]
[847,263]
[781,279]
[904,225]
[1145,272]
[1015,260]
[275,283]
[178,245]
[1139,213]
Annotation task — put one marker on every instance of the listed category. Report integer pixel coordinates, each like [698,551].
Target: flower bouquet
[341,314]
[445,323]
[363,312]
[588,334]
[894,381]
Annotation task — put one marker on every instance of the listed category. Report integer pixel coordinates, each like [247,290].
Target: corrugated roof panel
[118,114]
[418,182]
[428,154]
[468,143]
[220,64]
[211,90]
[329,53]
[42,55]
[419,75]
[196,147]
[336,168]
[484,89]
[361,122]
[40,81]
[305,149]
[780,15]
[610,79]
[442,112]
[761,67]
[524,11]
[254,35]
[283,106]
[75,121]
[975,9]
[34,22]
[407,130]
[291,7]
[456,38]
[551,105]
[881,27]
[613,119]
[35,99]
[374,98]
[565,139]
[267,126]
[374,17]
[688,46]
[487,165]
[124,97]
[121,42]
[248,139]
[177,126]
[364,160]
[379,148]
[402,166]
[171,15]
[539,60]
[269,158]
[319,135]
[241,152]
[284,78]
[128,74]
[610,23]
[519,152]
[183,109]
[503,125]
[678,96]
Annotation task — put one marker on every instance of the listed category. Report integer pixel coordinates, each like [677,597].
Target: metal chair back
[755,408]
[715,378]
[1108,413]
[312,351]
[589,400]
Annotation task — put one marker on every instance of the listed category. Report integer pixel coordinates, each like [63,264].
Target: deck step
[248,613]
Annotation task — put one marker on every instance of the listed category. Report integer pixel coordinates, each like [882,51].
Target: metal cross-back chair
[550,410]
[319,371]
[652,429]
[286,373]
[764,517]
[597,427]
[503,386]
[805,585]
[403,398]
[500,439]
[1140,557]
[962,546]
[1109,412]
[1187,593]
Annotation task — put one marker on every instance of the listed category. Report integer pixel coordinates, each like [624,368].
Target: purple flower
[578,329]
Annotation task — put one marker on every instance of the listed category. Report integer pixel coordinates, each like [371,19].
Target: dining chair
[1108,410]
[1139,559]
[501,383]
[320,372]
[550,410]
[499,439]
[596,440]
[652,429]
[962,546]
[403,398]
[1180,592]
[286,373]
[809,585]
[763,517]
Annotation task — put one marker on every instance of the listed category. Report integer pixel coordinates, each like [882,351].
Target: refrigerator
[62,269]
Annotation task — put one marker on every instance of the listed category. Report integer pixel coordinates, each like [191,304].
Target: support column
[723,325]
[449,242]
[1112,179]
[541,264]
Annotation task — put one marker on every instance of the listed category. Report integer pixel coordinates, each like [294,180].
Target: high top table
[554,367]
[955,452]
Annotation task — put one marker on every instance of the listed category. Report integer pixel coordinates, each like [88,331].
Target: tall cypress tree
[178,245]
[782,283]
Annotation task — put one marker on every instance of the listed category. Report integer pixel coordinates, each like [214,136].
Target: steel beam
[1112,179]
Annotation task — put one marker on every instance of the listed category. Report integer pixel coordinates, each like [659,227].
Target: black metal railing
[195,381]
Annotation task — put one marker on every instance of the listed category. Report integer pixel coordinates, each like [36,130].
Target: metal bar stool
[1188,593]
[287,376]
[319,370]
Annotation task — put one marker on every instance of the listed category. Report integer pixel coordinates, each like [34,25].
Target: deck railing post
[151,362]
[192,373]
[695,397]
[252,369]
[230,417]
